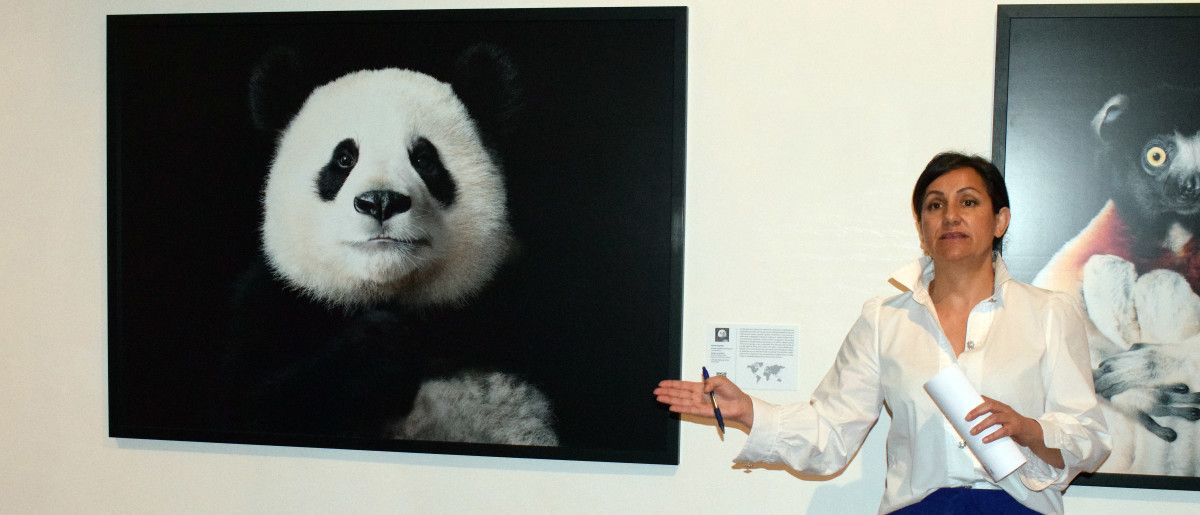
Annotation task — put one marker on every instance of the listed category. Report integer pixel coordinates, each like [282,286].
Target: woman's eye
[933,206]
[970,202]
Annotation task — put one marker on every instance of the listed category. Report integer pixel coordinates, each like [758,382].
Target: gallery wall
[807,124]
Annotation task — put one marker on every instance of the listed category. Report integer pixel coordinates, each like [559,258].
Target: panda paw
[479,407]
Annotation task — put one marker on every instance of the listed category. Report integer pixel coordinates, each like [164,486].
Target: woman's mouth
[953,236]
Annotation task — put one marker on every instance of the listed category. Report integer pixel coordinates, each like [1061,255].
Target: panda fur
[388,219]
[384,227]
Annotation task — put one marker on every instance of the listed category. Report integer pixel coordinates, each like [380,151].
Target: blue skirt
[956,501]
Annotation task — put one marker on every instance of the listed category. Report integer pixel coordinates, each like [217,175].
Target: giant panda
[370,313]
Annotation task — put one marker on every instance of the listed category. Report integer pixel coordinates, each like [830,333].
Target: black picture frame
[1056,66]
[595,182]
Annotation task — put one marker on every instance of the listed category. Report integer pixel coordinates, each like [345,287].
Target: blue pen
[712,396]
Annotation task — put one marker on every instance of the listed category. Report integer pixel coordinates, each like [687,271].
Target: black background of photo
[1056,66]
[594,171]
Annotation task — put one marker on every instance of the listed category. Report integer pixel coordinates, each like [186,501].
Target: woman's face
[957,222]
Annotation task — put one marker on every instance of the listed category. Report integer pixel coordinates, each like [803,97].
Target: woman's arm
[846,404]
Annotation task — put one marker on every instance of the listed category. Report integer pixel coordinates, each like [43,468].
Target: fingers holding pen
[736,405]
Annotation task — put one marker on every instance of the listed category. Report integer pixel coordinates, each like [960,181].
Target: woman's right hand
[691,398]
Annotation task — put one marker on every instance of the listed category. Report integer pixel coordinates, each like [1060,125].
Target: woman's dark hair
[946,162]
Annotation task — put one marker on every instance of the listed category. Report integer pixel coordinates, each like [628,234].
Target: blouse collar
[917,275]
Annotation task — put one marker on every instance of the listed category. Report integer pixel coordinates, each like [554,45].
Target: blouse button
[962,444]
[970,345]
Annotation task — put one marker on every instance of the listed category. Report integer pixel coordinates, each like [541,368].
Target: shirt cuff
[764,432]
[1036,474]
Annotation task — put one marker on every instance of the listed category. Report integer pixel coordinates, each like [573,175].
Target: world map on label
[763,371]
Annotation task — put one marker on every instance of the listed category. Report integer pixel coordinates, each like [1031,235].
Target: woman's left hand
[1024,430]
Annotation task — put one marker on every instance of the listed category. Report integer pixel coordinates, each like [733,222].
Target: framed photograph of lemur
[439,231]
[1097,130]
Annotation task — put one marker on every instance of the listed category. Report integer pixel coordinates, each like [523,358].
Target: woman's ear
[920,236]
[1002,219]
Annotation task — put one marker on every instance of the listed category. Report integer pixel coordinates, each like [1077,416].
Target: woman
[1023,348]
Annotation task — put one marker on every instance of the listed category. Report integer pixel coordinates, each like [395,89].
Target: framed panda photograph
[441,231]
[1097,130]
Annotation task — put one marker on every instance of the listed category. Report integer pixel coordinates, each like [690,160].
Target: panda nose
[382,204]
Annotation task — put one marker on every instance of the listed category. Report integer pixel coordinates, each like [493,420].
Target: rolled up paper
[955,396]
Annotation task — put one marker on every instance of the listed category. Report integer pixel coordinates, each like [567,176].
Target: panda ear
[1112,110]
[276,89]
[486,81]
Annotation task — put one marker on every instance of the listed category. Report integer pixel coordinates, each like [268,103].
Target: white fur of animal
[383,194]
[479,407]
[1153,323]
[429,254]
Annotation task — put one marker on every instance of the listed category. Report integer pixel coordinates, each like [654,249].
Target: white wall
[808,121]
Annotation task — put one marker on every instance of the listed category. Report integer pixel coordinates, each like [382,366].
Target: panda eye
[426,161]
[345,156]
[1156,156]
[424,158]
[421,161]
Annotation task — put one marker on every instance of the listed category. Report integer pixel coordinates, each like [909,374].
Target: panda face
[381,190]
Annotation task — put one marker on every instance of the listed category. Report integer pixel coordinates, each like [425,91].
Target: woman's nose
[953,216]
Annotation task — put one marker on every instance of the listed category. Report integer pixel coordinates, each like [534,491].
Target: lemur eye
[1156,156]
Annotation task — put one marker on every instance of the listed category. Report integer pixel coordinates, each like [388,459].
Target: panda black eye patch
[335,172]
[425,160]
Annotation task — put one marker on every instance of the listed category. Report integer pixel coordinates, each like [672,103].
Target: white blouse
[1025,347]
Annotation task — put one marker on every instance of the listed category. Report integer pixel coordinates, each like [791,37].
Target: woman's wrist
[1035,439]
